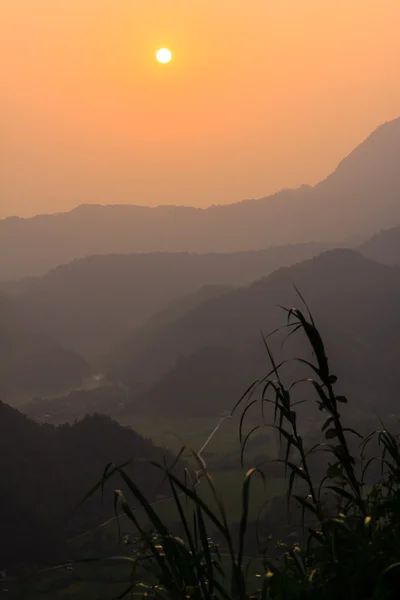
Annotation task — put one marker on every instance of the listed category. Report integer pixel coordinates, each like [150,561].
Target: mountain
[384,247]
[104,399]
[360,197]
[47,471]
[31,362]
[16,287]
[218,346]
[89,305]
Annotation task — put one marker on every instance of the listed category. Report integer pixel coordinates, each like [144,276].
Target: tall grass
[350,547]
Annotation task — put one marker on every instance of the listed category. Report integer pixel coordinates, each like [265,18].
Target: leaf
[342,399]
[341,492]
[289,437]
[316,535]
[353,431]
[206,550]
[331,433]
[395,565]
[327,423]
[367,521]
[108,473]
[199,502]
[243,396]
[188,533]
[334,471]
[245,442]
[118,496]
[245,514]
[151,513]
[297,471]
[306,504]
[300,564]
[323,397]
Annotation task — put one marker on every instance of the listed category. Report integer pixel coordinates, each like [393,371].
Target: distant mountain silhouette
[360,197]
[47,471]
[384,247]
[90,304]
[218,345]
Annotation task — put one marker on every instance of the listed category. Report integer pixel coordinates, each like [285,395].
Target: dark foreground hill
[360,197]
[202,361]
[47,471]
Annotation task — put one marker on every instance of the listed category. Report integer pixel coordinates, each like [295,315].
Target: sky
[260,95]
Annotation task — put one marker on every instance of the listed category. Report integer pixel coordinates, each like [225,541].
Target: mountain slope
[360,197]
[353,299]
[47,471]
[31,362]
[384,247]
[90,304]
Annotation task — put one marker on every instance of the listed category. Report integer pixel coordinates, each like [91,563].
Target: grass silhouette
[350,512]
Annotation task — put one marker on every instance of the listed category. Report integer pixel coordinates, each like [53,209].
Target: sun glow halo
[163,55]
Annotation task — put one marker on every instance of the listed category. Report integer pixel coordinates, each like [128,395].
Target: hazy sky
[261,95]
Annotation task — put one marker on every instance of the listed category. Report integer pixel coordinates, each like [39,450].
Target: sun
[164,55]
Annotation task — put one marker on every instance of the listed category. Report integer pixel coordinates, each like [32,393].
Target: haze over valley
[167,341]
[199,293]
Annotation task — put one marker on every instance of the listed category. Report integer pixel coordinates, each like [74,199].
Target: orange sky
[261,95]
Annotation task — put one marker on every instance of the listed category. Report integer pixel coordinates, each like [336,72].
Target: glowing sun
[163,55]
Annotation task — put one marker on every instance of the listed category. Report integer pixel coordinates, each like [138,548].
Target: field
[221,454]
[219,444]
[82,582]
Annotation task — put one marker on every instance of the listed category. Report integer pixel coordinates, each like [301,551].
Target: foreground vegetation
[348,503]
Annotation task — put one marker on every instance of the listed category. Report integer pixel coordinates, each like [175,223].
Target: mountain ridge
[367,181]
[100,297]
[346,292]
[47,471]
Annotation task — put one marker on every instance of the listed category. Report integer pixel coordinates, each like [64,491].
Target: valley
[142,389]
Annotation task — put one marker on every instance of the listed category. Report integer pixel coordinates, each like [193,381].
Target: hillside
[46,471]
[219,342]
[104,399]
[90,304]
[384,247]
[32,362]
[365,183]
